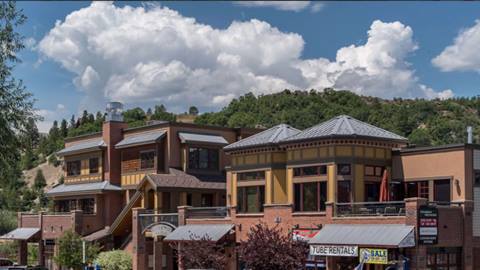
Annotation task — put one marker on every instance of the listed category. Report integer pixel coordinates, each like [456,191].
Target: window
[441,190]
[189,199]
[417,189]
[397,191]
[203,158]
[310,197]
[87,205]
[372,191]
[93,165]
[343,169]
[444,258]
[257,175]
[206,200]
[343,191]
[63,206]
[310,171]
[147,160]
[250,199]
[73,167]
[374,171]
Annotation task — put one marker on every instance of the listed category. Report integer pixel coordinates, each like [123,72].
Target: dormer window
[147,160]
[74,167]
[203,158]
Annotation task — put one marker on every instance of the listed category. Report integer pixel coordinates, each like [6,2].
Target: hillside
[52,174]
[424,122]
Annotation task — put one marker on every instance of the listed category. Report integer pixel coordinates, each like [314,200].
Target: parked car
[5,263]
[22,267]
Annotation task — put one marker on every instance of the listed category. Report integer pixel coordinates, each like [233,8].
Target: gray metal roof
[84,146]
[20,234]
[269,136]
[212,232]
[97,235]
[388,235]
[64,189]
[345,126]
[179,179]
[141,139]
[186,137]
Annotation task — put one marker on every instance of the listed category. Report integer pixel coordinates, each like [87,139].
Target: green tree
[160,113]
[193,110]
[39,182]
[70,251]
[114,260]
[16,105]
[63,128]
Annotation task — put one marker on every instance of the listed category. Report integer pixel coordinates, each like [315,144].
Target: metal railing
[365,209]
[151,217]
[207,212]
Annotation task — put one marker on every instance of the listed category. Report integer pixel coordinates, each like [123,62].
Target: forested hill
[424,122]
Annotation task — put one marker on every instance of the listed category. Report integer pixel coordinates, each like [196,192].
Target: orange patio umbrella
[384,190]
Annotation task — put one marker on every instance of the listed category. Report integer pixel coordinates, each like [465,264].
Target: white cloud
[30,43]
[138,55]
[463,54]
[281,5]
[318,6]
[49,116]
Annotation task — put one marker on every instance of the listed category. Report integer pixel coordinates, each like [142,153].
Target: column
[138,241]
[77,221]
[22,252]
[331,183]
[41,253]
[157,253]
[467,250]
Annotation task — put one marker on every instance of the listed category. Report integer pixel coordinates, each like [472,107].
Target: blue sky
[206,53]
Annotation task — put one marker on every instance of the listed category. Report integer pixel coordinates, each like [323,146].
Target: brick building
[324,184]
[138,189]
[157,167]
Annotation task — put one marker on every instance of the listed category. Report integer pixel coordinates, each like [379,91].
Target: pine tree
[193,110]
[63,128]
[73,122]
[39,182]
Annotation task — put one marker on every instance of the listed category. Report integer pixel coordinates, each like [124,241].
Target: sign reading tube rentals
[339,251]
[374,255]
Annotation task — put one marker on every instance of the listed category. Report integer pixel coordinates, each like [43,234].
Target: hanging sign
[427,225]
[337,251]
[374,255]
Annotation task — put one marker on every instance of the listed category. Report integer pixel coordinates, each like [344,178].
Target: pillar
[41,253]
[77,221]
[157,254]
[22,255]
[268,187]
[467,250]
[331,183]
[417,255]
[138,241]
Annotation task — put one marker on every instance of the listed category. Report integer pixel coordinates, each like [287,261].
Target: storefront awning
[201,138]
[213,232]
[368,235]
[20,234]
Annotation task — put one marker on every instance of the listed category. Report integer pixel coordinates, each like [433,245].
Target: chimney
[469,135]
[112,132]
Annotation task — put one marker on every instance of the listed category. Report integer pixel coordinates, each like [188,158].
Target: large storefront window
[203,158]
[310,197]
[250,199]
[417,189]
[444,258]
[344,191]
[87,205]
[73,167]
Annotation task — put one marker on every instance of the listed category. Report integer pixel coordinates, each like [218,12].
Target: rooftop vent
[469,135]
[114,112]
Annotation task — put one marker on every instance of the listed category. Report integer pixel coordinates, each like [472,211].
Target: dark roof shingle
[179,179]
[270,136]
[345,126]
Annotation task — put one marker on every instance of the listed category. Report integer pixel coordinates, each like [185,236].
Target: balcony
[150,217]
[206,212]
[370,209]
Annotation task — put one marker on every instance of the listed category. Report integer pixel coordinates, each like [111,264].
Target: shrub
[114,260]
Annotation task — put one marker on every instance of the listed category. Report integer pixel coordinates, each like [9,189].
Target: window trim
[244,200]
[302,175]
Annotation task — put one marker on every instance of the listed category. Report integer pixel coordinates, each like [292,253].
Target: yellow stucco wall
[331,182]
[279,178]
[359,183]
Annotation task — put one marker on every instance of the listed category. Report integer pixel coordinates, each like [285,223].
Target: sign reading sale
[374,255]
